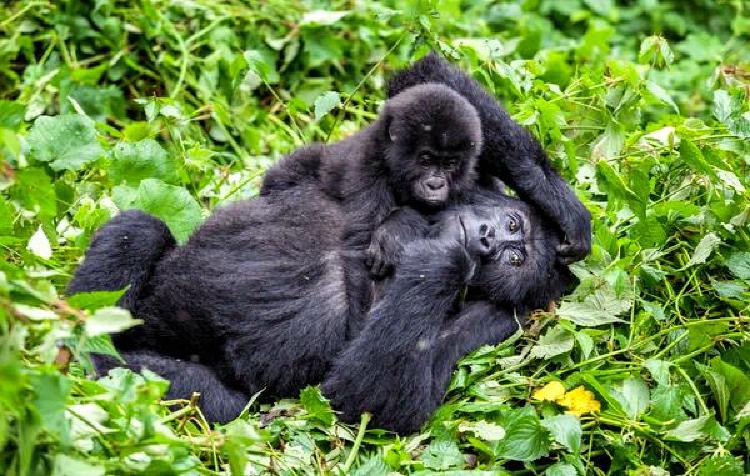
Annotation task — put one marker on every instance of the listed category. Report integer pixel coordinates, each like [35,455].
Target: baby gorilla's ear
[390,130]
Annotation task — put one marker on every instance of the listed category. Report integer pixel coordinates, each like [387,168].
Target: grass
[177,107]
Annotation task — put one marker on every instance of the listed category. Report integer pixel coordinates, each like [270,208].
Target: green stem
[364,420]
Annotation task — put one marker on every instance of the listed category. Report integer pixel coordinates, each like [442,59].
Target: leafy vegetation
[177,107]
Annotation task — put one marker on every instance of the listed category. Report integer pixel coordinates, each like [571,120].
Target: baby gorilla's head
[514,250]
[433,137]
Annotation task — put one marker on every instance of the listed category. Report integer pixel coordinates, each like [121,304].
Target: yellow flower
[580,401]
[551,392]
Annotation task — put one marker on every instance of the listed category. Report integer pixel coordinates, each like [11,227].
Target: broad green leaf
[66,142]
[693,157]
[322,17]
[561,469]
[722,109]
[729,289]
[171,203]
[39,244]
[133,162]
[633,395]
[525,437]
[325,103]
[95,299]
[555,342]
[483,430]
[442,455]
[68,466]
[667,403]
[108,320]
[566,430]
[689,430]
[373,466]
[51,393]
[724,465]
[705,247]
[659,370]
[660,94]
[11,114]
[739,264]
[655,50]
[601,307]
[316,405]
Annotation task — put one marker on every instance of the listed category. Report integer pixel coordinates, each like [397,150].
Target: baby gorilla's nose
[435,183]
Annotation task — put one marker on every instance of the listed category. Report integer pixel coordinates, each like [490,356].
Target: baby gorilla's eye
[513,224]
[515,257]
[425,158]
[451,162]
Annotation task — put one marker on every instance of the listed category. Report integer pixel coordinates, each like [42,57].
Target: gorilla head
[514,250]
[433,139]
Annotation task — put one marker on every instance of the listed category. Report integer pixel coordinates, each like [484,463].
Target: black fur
[510,153]
[258,294]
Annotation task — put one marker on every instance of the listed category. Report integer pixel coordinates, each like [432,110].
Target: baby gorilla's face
[515,252]
[433,139]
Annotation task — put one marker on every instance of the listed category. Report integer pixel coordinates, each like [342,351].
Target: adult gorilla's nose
[487,235]
[435,183]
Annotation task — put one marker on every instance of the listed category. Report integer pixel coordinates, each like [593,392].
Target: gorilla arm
[399,367]
[510,153]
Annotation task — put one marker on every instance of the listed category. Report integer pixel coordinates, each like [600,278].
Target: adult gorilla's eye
[513,224]
[515,257]
[451,162]
[425,158]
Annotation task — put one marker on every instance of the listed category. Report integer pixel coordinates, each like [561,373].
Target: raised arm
[388,369]
[510,153]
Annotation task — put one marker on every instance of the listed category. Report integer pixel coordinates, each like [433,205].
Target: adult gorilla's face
[515,252]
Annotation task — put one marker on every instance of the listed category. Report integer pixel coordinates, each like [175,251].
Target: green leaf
[68,466]
[566,430]
[555,342]
[693,157]
[525,437]
[689,430]
[633,396]
[51,396]
[561,469]
[601,307]
[316,405]
[372,466]
[95,299]
[66,142]
[325,103]
[133,162]
[442,455]
[483,430]
[173,204]
[659,370]
[108,320]
[667,402]
[705,247]
[322,17]
[11,114]
[739,264]
[663,96]
[655,50]
[724,465]
[722,109]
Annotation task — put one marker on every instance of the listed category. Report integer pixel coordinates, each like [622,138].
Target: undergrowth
[177,107]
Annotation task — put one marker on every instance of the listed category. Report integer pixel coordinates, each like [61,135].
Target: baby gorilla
[421,152]
[257,299]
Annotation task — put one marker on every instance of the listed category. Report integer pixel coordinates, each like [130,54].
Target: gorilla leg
[218,402]
[123,254]
[388,369]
